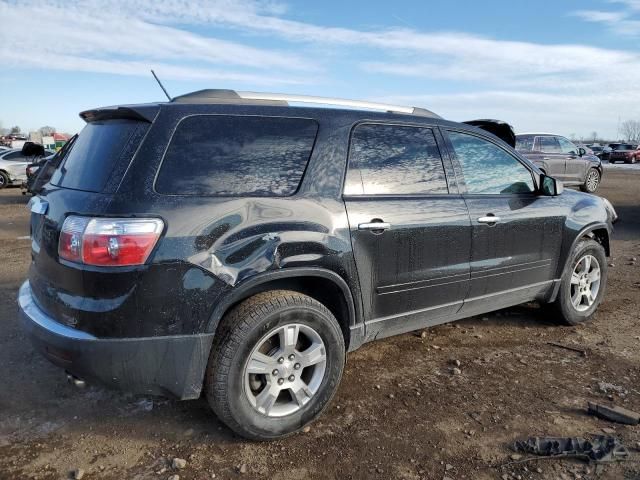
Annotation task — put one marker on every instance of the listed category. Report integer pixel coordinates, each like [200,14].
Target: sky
[570,67]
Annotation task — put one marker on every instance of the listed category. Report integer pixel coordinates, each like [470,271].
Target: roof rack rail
[283,99]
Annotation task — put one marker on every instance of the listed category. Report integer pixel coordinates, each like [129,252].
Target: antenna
[160,83]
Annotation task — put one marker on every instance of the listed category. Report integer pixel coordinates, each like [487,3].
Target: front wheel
[583,283]
[275,364]
[4,180]
[592,181]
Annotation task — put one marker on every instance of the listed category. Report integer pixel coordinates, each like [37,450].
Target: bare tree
[594,136]
[630,130]
[15,129]
[47,130]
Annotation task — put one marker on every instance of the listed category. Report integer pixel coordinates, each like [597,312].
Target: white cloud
[101,38]
[631,4]
[531,111]
[600,16]
[535,82]
[622,22]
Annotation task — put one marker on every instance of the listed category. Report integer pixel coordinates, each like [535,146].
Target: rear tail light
[109,241]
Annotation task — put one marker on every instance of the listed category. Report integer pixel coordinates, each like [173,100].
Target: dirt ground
[399,412]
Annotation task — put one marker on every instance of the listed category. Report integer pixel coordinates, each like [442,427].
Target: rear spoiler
[143,113]
[500,129]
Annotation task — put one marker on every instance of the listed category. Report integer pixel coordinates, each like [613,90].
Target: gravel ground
[399,412]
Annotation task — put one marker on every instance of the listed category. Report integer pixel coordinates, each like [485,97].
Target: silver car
[13,165]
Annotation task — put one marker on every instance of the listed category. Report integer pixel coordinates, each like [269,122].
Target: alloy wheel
[592,180]
[285,370]
[585,283]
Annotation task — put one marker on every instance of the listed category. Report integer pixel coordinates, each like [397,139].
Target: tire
[592,181]
[4,180]
[564,304]
[234,394]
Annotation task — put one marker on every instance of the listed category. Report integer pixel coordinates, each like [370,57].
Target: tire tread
[233,328]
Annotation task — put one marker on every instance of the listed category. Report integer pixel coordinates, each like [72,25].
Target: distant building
[36,137]
[48,142]
[60,139]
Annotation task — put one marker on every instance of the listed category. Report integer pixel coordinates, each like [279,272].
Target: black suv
[229,243]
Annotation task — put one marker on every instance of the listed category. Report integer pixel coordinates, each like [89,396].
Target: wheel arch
[323,285]
[598,232]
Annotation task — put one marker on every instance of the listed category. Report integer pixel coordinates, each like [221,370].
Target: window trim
[459,172]
[444,158]
[243,195]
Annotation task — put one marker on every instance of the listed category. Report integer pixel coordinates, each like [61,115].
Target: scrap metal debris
[615,414]
[600,449]
[606,387]
[568,347]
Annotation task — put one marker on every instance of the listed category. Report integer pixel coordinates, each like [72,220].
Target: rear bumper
[167,365]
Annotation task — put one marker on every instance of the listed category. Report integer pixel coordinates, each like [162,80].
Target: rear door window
[548,145]
[524,143]
[225,155]
[394,160]
[101,152]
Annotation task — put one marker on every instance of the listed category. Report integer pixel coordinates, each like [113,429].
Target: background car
[598,150]
[557,156]
[39,172]
[625,152]
[13,164]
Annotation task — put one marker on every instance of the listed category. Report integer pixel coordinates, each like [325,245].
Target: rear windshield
[226,155]
[99,154]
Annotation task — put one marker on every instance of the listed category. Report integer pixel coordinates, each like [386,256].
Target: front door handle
[374,227]
[489,219]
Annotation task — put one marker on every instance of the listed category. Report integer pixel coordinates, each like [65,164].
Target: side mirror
[549,186]
[581,151]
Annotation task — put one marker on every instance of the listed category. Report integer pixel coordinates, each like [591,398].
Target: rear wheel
[592,181]
[4,180]
[583,283]
[275,364]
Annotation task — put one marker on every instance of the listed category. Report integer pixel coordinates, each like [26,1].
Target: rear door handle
[375,227]
[489,219]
